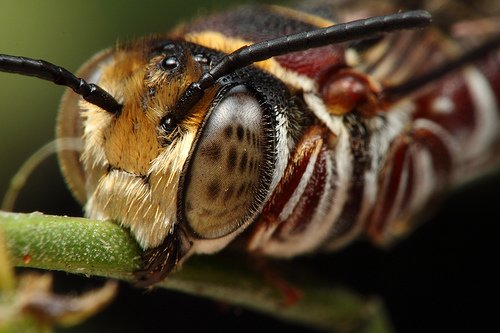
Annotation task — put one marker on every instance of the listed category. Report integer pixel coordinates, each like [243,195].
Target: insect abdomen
[453,134]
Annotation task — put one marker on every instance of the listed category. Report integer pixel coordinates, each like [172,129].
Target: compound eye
[225,177]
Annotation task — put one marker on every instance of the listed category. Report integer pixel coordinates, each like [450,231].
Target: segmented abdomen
[384,171]
[387,168]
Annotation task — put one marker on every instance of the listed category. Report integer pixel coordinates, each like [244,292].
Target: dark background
[442,278]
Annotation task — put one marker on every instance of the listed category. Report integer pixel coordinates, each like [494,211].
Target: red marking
[290,294]
[390,178]
[441,156]
[308,202]
[26,259]
[409,182]
[294,172]
[460,121]
[288,186]
[349,90]
[401,158]
[314,61]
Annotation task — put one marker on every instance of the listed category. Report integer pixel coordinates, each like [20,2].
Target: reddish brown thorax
[345,90]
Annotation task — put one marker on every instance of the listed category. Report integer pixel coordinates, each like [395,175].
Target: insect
[290,147]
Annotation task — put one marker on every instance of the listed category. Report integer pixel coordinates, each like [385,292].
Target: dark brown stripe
[410,183]
[360,151]
[212,151]
[240,132]
[308,203]
[232,159]
[441,156]
[243,162]
[460,122]
[213,190]
[293,174]
[389,181]
[228,131]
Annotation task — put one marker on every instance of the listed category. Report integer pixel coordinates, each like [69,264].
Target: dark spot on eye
[213,190]
[255,166]
[243,161]
[241,190]
[229,192]
[212,152]
[228,131]
[169,63]
[240,132]
[231,159]
[151,91]
[244,190]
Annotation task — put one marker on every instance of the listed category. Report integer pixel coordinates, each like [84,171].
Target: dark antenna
[247,55]
[58,75]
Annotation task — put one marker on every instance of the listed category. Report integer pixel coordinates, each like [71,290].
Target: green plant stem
[7,282]
[103,248]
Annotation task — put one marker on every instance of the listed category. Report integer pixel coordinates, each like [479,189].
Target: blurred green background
[440,278]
